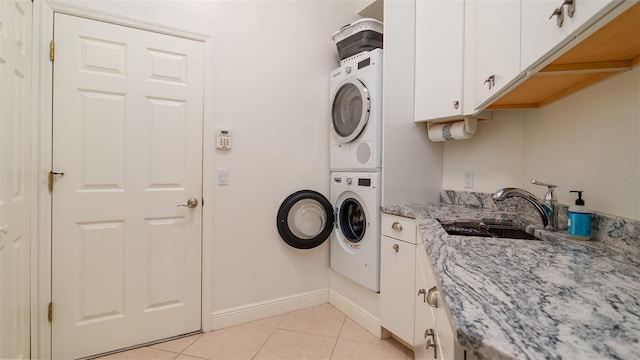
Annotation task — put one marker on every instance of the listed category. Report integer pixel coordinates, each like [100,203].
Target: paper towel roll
[449,131]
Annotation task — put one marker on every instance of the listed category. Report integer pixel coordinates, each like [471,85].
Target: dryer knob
[348,69]
[349,181]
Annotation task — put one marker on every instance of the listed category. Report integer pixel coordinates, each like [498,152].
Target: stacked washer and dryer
[351,218]
[355,155]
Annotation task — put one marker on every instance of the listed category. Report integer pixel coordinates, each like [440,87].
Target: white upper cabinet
[439,77]
[497,47]
[546,24]
[474,55]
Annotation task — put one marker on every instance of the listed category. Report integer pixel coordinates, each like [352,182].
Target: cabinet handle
[396,247]
[571,7]
[456,104]
[432,343]
[432,297]
[423,292]
[491,81]
[429,332]
[396,226]
[559,12]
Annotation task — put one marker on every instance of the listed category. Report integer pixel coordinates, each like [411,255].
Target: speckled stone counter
[555,298]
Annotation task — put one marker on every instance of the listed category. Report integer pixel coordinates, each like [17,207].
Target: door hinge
[50,312]
[51,175]
[52,50]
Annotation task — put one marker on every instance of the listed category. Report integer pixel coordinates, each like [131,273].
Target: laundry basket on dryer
[362,35]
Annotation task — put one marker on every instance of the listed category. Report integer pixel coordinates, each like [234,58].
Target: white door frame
[43,100]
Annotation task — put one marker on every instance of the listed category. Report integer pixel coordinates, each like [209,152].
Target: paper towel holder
[470,124]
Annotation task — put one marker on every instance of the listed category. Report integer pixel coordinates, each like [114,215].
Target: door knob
[191,203]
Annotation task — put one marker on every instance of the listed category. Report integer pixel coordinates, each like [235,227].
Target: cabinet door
[541,35]
[439,59]
[497,47]
[397,285]
[423,312]
[447,344]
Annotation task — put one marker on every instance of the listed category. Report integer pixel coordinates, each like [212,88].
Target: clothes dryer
[355,241]
[356,113]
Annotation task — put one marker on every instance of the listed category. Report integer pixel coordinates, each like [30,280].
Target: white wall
[587,141]
[272,61]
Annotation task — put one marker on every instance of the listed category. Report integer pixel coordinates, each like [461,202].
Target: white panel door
[127,134]
[15,175]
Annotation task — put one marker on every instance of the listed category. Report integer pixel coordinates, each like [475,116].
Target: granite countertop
[556,298]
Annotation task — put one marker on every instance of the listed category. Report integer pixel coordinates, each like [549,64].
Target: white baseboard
[256,311]
[357,314]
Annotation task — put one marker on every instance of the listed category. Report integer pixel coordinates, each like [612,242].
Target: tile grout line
[190,345]
[270,336]
[344,320]
[264,343]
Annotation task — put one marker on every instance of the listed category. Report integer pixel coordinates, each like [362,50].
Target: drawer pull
[396,247]
[432,297]
[396,226]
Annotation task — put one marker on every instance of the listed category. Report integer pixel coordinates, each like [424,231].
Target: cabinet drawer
[400,228]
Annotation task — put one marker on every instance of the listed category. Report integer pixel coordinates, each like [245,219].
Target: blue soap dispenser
[579,219]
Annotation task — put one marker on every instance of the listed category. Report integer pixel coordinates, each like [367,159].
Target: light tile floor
[317,332]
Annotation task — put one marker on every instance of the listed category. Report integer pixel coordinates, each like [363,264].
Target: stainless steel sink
[484,229]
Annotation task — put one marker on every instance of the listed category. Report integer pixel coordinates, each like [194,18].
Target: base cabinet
[396,306]
[425,331]
[410,304]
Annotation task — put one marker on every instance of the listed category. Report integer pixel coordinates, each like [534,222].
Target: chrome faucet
[547,208]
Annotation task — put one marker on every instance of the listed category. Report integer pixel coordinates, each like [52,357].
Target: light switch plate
[223,177]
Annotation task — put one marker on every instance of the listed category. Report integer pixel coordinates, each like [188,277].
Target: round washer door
[305,219]
[350,110]
[352,220]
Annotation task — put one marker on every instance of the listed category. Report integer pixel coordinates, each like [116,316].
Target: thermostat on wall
[223,139]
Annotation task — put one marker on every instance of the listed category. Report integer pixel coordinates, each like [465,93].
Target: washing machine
[355,240]
[356,113]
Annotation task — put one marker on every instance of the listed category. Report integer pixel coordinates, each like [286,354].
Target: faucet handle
[550,195]
[550,186]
